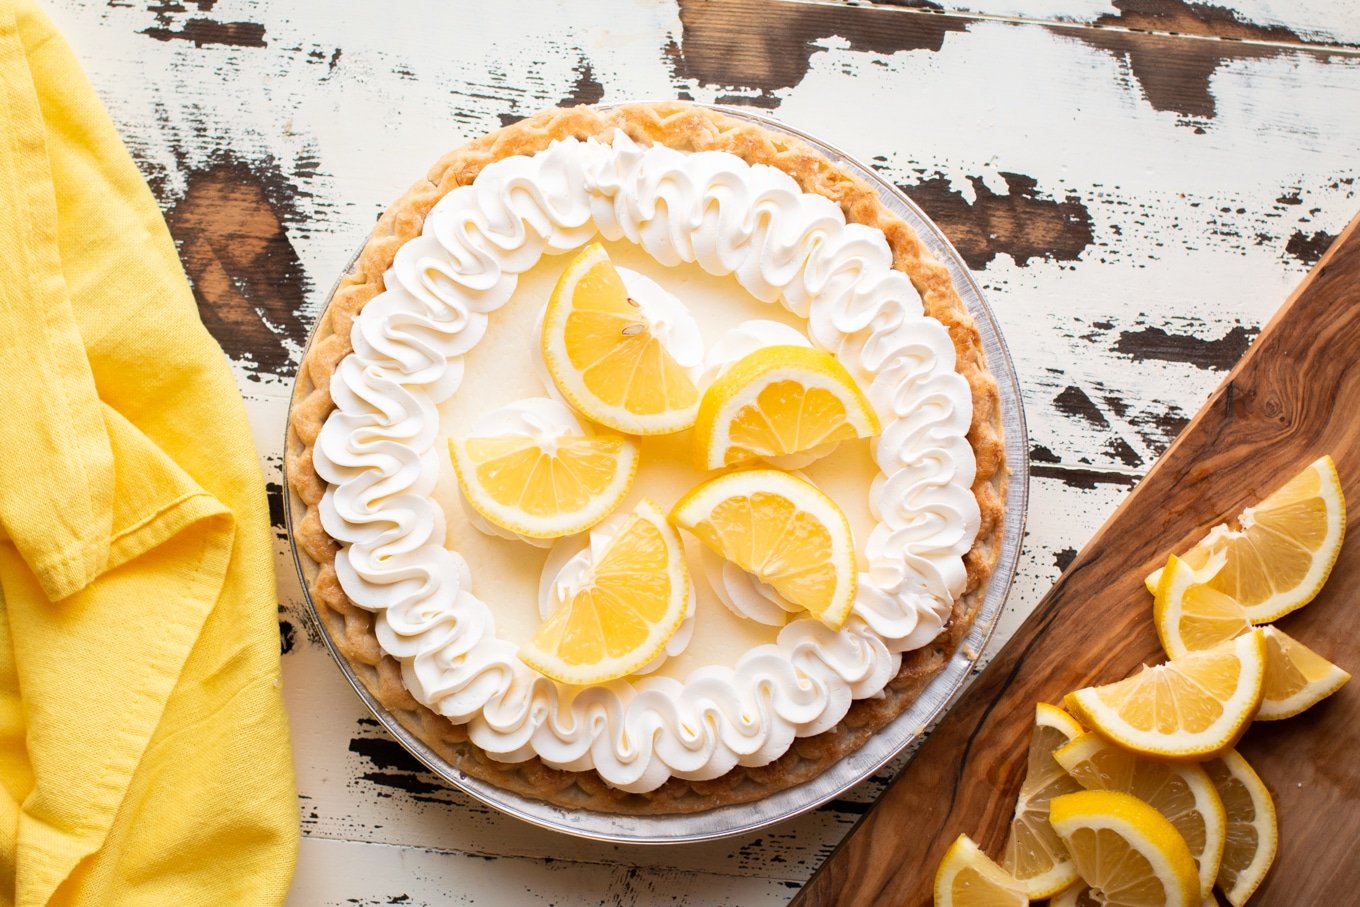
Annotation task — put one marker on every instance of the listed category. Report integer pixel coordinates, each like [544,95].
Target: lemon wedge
[1252,833]
[1181,792]
[1080,895]
[781,529]
[1297,678]
[1283,549]
[1125,851]
[777,401]
[1188,708]
[1033,855]
[601,354]
[967,878]
[1191,616]
[545,488]
[621,617]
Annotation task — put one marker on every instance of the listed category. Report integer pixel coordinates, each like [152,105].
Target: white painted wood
[1327,22]
[337,872]
[1191,221]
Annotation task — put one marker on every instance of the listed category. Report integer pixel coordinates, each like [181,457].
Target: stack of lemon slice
[607,362]
[1168,808]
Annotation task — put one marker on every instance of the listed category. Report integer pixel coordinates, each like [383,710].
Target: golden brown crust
[688,128]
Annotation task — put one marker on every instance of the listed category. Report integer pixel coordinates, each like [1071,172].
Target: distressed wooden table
[1138,185]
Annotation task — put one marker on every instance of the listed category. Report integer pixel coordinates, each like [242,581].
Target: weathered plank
[1275,413]
[342,873]
[1319,22]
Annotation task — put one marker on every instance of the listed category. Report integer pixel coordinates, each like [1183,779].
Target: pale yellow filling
[502,368]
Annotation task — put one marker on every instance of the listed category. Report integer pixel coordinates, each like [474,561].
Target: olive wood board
[1293,397]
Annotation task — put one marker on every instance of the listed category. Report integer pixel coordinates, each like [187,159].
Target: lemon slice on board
[622,616]
[781,529]
[1252,833]
[776,401]
[1297,678]
[1188,708]
[1033,855]
[1284,549]
[968,878]
[1190,615]
[1080,895]
[1193,617]
[1181,792]
[1125,850]
[601,354]
[545,487]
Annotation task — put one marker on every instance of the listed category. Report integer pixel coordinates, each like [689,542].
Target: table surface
[1137,185]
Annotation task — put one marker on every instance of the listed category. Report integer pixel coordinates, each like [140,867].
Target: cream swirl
[377,453]
[743,594]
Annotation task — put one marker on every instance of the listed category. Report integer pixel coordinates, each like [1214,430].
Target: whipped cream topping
[570,566]
[743,594]
[377,453]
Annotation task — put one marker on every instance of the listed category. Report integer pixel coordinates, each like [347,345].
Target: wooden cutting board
[1293,397]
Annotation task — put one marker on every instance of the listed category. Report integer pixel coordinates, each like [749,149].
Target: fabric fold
[144,752]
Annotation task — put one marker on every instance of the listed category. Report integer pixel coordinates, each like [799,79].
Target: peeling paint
[767,45]
[1020,222]
[1155,343]
[248,281]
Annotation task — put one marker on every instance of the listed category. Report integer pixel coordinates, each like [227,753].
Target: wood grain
[1291,399]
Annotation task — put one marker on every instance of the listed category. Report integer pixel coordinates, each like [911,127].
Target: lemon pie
[649,463]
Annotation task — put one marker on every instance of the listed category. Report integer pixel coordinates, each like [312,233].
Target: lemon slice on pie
[781,529]
[1253,836]
[1125,850]
[777,401]
[622,615]
[545,487]
[1188,708]
[1033,854]
[602,355]
[1284,549]
[1181,792]
[968,878]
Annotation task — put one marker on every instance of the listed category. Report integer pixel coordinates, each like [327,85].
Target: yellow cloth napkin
[144,753]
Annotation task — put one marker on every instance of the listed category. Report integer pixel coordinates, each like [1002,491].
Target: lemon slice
[1297,678]
[967,878]
[622,615]
[1284,549]
[1190,707]
[601,354]
[1181,792]
[1192,616]
[782,530]
[1033,855]
[1252,833]
[777,401]
[1079,895]
[1126,851]
[545,488]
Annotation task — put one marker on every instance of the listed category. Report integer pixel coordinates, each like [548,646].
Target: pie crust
[687,128]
